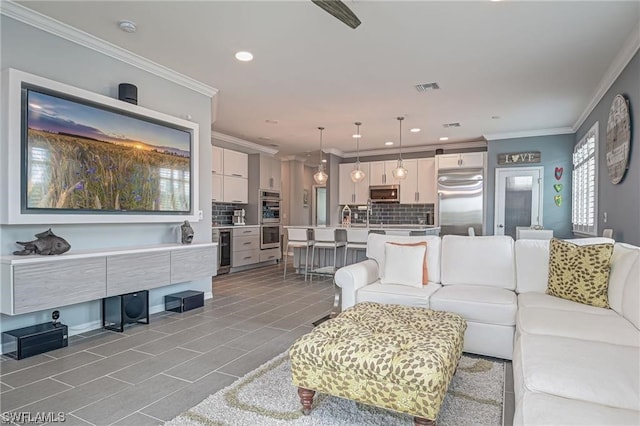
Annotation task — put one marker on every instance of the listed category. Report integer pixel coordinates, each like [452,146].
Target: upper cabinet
[350,192]
[229,176]
[235,164]
[381,173]
[270,173]
[464,160]
[216,160]
[419,187]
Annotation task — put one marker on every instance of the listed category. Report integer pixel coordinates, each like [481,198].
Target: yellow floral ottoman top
[391,356]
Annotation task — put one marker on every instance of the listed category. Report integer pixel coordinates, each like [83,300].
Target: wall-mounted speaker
[128,93]
[130,308]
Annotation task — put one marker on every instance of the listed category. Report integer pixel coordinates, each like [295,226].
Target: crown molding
[529,133]
[411,149]
[75,35]
[334,151]
[629,49]
[250,146]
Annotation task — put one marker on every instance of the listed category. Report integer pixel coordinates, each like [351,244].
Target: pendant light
[320,176]
[400,172]
[356,174]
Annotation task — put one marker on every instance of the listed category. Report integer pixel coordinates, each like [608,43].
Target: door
[518,199]
[345,187]
[426,181]
[376,173]
[216,188]
[320,206]
[409,186]
[235,190]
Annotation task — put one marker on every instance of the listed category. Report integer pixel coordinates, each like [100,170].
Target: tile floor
[151,373]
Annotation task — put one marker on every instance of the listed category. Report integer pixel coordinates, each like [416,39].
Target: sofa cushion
[622,260]
[425,266]
[397,294]
[488,305]
[540,300]
[590,371]
[578,325]
[483,261]
[631,299]
[544,409]
[579,273]
[376,244]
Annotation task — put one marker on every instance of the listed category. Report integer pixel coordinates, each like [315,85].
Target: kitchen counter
[236,226]
[392,229]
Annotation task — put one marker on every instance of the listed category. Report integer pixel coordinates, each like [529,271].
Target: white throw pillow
[403,265]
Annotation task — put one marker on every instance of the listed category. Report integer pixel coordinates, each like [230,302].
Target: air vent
[427,86]
[447,125]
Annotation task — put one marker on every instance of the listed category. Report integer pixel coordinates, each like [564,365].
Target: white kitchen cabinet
[381,173]
[236,190]
[235,164]
[350,192]
[270,173]
[217,186]
[245,247]
[217,154]
[409,185]
[464,160]
[426,181]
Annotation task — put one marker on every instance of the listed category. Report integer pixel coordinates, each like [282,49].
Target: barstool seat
[298,238]
[356,240]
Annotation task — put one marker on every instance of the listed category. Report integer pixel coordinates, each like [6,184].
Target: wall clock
[618,139]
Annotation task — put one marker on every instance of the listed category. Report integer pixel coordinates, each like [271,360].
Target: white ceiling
[536,65]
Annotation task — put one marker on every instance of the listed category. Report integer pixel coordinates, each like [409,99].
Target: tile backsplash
[222,213]
[383,213]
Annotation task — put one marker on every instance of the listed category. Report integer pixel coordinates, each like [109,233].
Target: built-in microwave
[384,194]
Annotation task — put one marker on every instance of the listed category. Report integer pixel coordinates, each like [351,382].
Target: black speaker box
[130,308]
[34,340]
[128,93]
[184,301]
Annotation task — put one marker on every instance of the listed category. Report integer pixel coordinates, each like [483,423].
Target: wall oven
[269,236]
[270,207]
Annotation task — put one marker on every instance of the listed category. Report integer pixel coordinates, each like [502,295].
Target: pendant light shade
[400,172]
[320,177]
[357,175]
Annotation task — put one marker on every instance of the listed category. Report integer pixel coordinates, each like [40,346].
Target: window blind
[584,194]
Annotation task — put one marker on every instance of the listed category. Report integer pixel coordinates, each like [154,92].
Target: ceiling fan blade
[340,11]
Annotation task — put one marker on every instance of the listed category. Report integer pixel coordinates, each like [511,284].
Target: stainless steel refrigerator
[460,201]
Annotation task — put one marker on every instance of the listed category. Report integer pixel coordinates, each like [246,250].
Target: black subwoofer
[130,308]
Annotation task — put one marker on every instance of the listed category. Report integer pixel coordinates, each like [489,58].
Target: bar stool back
[326,239]
[356,240]
[298,238]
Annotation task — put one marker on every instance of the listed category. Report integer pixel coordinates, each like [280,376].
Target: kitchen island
[324,257]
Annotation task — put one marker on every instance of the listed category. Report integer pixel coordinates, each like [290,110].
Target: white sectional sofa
[572,363]
[575,364]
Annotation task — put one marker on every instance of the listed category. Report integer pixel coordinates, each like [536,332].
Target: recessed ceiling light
[388,143]
[415,130]
[324,160]
[127,26]
[244,56]
[444,138]
[356,136]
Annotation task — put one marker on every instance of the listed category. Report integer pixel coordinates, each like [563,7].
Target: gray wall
[28,49]
[555,151]
[622,201]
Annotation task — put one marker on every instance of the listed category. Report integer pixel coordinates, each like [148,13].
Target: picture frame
[305,198]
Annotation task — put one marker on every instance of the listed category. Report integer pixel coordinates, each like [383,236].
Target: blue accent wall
[621,202]
[555,151]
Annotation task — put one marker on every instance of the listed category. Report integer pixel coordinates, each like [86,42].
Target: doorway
[319,205]
[518,199]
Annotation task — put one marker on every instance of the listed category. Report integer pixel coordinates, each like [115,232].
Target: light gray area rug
[267,397]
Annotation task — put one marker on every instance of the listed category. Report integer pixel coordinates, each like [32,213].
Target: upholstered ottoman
[396,357]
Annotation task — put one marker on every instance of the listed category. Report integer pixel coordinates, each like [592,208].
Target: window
[585,188]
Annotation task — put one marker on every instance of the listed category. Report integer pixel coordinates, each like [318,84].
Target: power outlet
[200,215]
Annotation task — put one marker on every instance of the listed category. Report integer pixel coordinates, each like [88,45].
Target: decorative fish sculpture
[46,243]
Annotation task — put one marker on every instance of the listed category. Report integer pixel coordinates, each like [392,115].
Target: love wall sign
[527,157]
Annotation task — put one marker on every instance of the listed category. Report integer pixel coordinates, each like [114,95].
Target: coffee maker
[238,217]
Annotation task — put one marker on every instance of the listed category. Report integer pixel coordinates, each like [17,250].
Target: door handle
[500,226]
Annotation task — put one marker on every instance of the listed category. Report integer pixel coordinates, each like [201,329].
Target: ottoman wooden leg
[420,421]
[306,399]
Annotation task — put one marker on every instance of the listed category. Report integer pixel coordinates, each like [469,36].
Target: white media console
[35,283]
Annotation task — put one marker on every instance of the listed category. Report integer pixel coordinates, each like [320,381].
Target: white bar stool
[327,239]
[356,240]
[298,238]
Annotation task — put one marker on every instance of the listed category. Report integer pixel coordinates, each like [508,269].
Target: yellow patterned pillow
[579,273]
